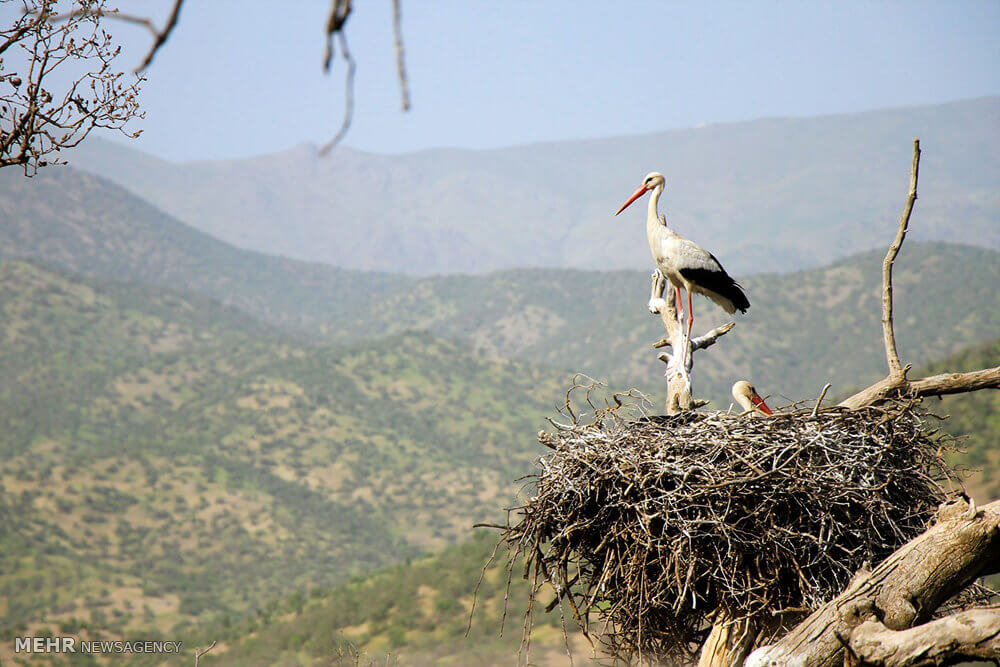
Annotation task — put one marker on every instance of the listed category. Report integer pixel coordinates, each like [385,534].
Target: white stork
[748,398]
[684,263]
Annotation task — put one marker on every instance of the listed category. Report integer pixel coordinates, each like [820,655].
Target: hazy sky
[243,77]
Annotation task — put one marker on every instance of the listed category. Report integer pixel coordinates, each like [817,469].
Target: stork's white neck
[652,213]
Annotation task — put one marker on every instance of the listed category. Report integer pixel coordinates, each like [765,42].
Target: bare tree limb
[345,124]
[679,364]
[973,634]
[160,37]
[198,653]
[896,372]
[397,32]
[935,385]
[340,10]
[904,590]
[896,384]
[66,83]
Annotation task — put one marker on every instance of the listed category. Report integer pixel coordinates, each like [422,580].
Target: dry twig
[896,384]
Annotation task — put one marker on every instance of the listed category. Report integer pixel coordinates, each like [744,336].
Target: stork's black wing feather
[717,280]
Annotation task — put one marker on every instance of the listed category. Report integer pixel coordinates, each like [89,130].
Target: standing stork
[748,398]
[684,263]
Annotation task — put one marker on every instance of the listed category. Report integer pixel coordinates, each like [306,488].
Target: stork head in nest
[653,180]
[748,398]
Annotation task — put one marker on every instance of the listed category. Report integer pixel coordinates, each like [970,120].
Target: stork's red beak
[635,195]
[759,402]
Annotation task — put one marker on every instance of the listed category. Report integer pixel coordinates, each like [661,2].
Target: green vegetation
[416,614]
[167,459]
[804,329]
[975,417]
[173,465]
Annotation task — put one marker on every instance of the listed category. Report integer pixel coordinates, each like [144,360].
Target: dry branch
[906,589]
[681,360]
[969,635]
[896,372]
[896,384]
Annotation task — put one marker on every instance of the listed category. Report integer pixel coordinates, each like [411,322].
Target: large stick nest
[651,525]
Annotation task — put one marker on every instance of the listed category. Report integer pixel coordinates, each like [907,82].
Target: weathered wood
[678,362]
[903,591]
[729,643]
[935,385]
[973,634]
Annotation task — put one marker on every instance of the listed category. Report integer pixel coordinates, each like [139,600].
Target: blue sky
[243,77]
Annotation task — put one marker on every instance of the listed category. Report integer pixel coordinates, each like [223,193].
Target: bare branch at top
[896,372]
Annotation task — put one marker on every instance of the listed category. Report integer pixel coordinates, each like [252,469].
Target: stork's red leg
[690,314]
[677,294]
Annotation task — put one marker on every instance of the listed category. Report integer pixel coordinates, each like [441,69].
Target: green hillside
[412,614]
[167,459]
[87,225]
[803,330]
[975,416]
[417,612]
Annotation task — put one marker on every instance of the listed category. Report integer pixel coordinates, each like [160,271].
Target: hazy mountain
[772,194]
[89,225]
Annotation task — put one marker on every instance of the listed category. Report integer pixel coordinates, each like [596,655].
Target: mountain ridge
[793,193]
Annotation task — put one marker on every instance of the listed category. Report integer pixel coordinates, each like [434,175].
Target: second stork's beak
[759,403]
[635,195]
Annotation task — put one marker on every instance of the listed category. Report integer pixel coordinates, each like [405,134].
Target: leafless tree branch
[38,50]
[198,653]
[896,384]
[345,124]
[892,356]
[397,32]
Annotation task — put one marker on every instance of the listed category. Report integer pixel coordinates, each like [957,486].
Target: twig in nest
[819,400]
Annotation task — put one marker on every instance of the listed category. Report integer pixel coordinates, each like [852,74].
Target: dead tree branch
[397,33]
[160,36]
[935,385]
[345,124]
[896,384]
[198,653]
[678,363]
[896,372]
[969,635]
[905,590]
